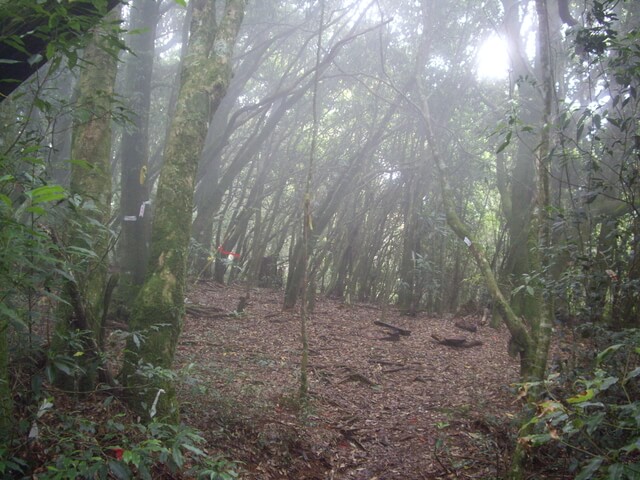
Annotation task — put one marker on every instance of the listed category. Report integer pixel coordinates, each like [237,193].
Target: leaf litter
[382,406]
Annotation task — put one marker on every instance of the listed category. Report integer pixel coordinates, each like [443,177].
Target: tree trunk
[159,307]
[91,181]
[331,203]
[627,311]
[541,324]
[519,200]
[134,150]
[409,264]
[6,397]
[531,361]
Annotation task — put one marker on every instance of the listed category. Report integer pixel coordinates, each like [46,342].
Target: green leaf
[138,31]
[119,470]
[72,59]
[47,193]
[505,144]
[143,472]
[16,321]
[633,374]
[594,421]
[605,383]
[182,3]
[177,456]
[194,449]
[51,50]
[603,355]
[63,367]
[82,251]
[537,439]
[82,164]
[35,59]
[615,471]
[633,446]
[6,200]
[590,469]
[583,397]
[36,210]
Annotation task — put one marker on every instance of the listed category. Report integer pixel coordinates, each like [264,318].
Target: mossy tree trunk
[540,325]
[159,306]
[529,338]
[91,186]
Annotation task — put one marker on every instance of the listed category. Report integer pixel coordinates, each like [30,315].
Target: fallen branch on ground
[465,324]
[396,330]
[456,342]
[201,310]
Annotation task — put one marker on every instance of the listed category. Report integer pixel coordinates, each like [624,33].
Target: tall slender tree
[159,306]
[134,146]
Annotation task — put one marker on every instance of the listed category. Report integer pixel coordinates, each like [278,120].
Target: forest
[320,239]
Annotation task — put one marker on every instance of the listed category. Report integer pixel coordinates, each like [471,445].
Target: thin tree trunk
[6,397]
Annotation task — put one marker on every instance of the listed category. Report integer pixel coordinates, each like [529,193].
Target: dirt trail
[383,406]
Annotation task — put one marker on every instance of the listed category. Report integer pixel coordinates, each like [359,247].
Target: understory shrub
[63,444]
[593,414]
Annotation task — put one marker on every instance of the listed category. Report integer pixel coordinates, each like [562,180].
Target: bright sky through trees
[492,59]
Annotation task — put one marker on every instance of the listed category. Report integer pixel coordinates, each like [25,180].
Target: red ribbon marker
[224,252]
[117,452]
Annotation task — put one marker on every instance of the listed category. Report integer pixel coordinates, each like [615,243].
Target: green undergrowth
[590,416]
[97,438]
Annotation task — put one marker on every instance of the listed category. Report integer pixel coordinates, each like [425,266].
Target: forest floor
[381,407]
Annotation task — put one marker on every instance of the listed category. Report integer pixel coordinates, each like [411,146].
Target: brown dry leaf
[417,398]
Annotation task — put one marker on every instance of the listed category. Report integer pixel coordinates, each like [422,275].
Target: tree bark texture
[6,396]
[159,307]
[134,150]
[91,182]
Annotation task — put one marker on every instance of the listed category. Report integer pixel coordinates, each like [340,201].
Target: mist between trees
[368,151]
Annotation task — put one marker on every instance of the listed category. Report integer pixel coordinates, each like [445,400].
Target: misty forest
[324,239]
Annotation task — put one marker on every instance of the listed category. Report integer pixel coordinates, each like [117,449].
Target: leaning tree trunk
[332,201]
[532,340]
[159,306]
[91,182]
